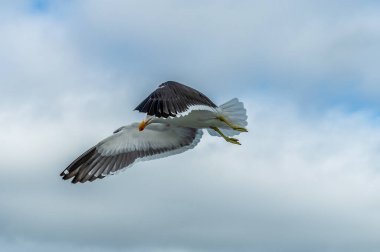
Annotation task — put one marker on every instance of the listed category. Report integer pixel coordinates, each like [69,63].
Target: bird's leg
[228,139]
[229,124]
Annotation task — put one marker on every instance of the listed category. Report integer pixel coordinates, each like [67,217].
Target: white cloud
[297,44]
[302,180]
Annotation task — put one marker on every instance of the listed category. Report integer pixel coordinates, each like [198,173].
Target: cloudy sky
[307,177]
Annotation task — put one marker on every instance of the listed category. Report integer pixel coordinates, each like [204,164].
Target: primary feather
[129,145]
[172,98]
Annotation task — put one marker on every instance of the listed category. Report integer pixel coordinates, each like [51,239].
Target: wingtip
[75,180]
[65,174]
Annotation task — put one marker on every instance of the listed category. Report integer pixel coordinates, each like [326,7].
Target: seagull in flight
[175,117]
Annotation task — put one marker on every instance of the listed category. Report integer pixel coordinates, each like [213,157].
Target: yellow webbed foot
[231,125]
[233,140]
[241,129]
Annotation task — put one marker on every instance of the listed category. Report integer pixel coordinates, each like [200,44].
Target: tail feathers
[235,112]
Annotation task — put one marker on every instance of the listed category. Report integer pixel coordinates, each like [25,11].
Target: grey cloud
[311,51]
[294,47]
[303,180]
[301,183]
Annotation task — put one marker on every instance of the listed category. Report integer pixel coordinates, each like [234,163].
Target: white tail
[235,112]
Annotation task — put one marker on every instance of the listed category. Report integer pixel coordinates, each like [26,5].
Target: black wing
[92,165]
[171,98]
[119,151]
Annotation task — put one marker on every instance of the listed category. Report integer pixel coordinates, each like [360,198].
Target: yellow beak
[142,125]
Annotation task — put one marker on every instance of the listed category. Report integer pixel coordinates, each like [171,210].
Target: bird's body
[198,117]
[176,115]
[184,106]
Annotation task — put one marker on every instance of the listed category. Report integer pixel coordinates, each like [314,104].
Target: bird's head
[145,122]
